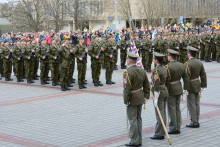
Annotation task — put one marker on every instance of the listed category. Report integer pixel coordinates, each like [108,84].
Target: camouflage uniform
[123,52]
[7,63]
[19,63]
[44,63]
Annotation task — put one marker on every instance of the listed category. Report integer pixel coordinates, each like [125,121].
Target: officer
[159,75]
[175,71]
[136,90]
[96,52]
[195,69]
[81,55]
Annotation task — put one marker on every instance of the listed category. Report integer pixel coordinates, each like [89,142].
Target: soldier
[149,53]
[134,97]
[65,54]
[158,44]
[44,62]
[1,60]
[194,69]
[202,46]
[7,56]
[102,44]
[96,52]
[208,41]
[218,47]
[114,43]
[109,56]
[19,61]
[72,64]
[81,55]
[175,71]
[35,47]
[54,61]
[137,43]
[123,45]
[159,75]
[29,55]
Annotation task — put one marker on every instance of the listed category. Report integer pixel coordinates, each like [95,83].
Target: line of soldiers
[25,56]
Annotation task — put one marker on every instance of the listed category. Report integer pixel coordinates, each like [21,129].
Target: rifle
[83,55]
[31,55]
[57,56]
[9,54]
[99,53]
[45,54]
[20,55]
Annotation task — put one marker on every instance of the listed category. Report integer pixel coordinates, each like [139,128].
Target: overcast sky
[2,1]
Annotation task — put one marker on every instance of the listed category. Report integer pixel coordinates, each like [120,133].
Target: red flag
[88,41]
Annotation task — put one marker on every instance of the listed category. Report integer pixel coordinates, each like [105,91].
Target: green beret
[159,55]
[132,55]
[5,41]
[103,36]
[63,41]
[109,37]
[57,40]
[190,48]
[173,52]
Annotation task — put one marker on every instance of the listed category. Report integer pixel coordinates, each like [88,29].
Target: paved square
[43,116]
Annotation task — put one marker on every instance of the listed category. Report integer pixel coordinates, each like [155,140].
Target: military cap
[132,56]
[190,48]
[18,40]
[81,37]
[173,52]
[103,36]
[158,55]
[57,40]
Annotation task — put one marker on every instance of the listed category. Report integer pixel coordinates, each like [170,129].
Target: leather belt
[174,82]
[194,79]
[133,91]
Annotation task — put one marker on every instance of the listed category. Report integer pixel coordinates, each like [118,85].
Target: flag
[135,51]
[88,41]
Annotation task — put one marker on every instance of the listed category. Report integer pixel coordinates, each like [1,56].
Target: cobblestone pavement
[43,116]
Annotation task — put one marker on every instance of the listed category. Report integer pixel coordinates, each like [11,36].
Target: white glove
[202,89]
[185,92]
[156,96]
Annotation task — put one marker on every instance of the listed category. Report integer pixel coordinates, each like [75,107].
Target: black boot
[54,84]
[29,82]
[10,79]
[218,61]
[46,82]
[100,84]
[108,82]
[57,83]
[42,83]
[112,82]
[67,88]
[69,85]
[96,84]
[32,81]
[21,80]
[63,89]
[18,80]
[80,87]
[84,86]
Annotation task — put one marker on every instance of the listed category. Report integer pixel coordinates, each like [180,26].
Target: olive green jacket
[136,86]
[195,70]
[176,71]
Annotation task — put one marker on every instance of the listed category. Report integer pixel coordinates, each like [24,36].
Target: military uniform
[123,45]
[102,44]
[208,41]
[218,48]
[1,61]
[7,62]
[136,89]
[147,54]
[81,64]
[114,44]
[54,61]
[44,63]
[195,69]
[72,65]
[19,63]
[109,56]
[95,51]
[159,75]
[65,54]
[175,71]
